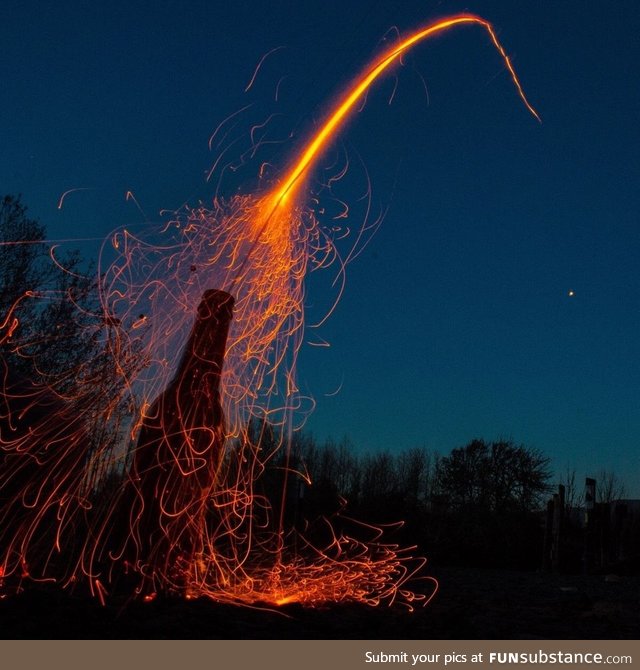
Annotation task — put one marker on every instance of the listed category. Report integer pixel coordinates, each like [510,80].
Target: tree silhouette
[60,401]
[493,476]
[609,487]
[50,321]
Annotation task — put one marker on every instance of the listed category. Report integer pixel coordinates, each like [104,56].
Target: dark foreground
[471,604]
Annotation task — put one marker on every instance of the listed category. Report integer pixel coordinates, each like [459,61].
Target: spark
[262,60]
[326,134]
[72,190]
[129,196]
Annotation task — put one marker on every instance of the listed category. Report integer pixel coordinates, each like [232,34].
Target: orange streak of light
[260,247]
[327,132]
[71,190]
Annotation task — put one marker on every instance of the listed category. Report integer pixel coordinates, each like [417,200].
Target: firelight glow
[200,487]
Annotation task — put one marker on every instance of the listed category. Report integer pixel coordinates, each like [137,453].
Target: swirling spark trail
[189,516]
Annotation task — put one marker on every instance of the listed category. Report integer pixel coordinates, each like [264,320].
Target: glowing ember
[182,511]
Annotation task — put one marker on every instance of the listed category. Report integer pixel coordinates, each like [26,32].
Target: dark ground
[471,604]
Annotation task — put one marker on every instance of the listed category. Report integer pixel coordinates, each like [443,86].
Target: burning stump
[177,460]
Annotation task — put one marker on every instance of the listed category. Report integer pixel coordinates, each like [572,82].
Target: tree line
[481,504]
[478,505]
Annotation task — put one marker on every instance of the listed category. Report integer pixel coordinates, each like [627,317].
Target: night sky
[457,319]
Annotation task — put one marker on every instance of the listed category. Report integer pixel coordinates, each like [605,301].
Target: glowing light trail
[327,133]
[182,511]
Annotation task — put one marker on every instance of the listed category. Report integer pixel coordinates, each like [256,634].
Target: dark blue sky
[456,320]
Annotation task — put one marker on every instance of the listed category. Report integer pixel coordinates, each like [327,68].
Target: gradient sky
[456,321]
